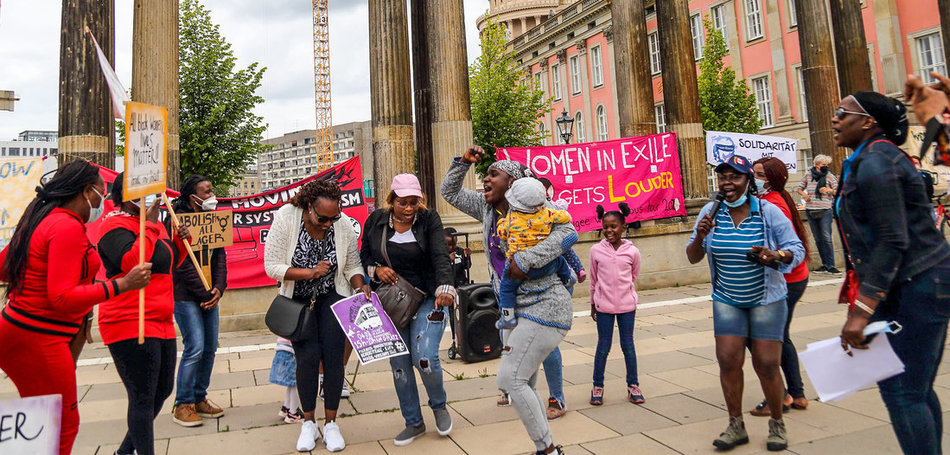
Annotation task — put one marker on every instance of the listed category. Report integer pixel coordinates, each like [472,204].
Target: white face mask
[209,204]
[149,200]
[96,212]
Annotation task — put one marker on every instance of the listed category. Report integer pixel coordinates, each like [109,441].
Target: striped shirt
[739,283]
[808,185]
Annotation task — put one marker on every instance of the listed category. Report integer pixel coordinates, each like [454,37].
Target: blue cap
[739,163]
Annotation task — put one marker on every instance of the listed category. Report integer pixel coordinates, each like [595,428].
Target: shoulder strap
[382,246]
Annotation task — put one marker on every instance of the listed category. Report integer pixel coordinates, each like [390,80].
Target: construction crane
[321,85]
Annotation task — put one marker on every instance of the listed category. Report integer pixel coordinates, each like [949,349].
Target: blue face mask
[742,199]
[760,185]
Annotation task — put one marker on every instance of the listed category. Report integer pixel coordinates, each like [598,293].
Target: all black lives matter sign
[146,150]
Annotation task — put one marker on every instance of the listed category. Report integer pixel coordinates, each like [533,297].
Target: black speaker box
[478,339]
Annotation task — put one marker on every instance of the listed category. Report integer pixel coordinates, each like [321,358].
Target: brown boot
[208,410]
[185,415]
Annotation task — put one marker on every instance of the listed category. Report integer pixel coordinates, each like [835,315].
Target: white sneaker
[345,393]
[309,433]
[332,437]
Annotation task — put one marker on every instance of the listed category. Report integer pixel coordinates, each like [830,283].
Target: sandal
[800,403]
[762,409]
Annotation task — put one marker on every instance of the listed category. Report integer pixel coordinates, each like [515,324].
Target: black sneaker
[833,271]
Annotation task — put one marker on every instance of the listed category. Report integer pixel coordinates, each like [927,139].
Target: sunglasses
[324,219]
[841,112]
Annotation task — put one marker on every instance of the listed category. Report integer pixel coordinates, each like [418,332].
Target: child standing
[614,266]
[283,371]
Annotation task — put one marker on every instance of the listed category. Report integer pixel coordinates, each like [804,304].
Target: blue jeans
[199,335]
[508,287]
[605,334]
[554,375]
[422,336]
[922,306]
[790,366]
[820,223]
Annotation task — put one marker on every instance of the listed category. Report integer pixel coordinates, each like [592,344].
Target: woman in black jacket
[901,261]
[416,250]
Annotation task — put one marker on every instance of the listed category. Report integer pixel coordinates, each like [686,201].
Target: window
[659,111]
[597,66]
[801,94]
[930,56]
[763,97]
[556,81]
[792,14]
[696,28]
[601,123]
[537,82]
[718,14]
[753,20]
[14,151]
[579,126]
[575,75]
[654,40]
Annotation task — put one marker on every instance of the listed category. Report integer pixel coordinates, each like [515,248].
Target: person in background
[771,174]
[817,189]
[739,240]
[283,372]
[49,267]
[614,267]
[416,250]
[312,251]
[147,370]
[901,261]
[196,312]
[461,259]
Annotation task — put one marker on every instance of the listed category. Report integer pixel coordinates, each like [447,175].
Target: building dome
[519,16]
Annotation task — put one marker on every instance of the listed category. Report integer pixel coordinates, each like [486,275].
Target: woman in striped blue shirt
[748,297]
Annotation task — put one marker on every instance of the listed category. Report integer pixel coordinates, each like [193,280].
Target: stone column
[86,128]
[890,49]
[155,68]
[390,97]
[422,100]
[821,82]
[450,110]
[681,94]
[632,56]
[851,47]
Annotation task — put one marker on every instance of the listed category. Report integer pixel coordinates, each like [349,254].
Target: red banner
[643,171]
[253,216]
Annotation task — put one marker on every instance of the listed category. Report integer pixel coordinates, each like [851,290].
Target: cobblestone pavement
[683,413]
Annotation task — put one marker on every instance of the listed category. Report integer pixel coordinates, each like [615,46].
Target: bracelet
[864,307]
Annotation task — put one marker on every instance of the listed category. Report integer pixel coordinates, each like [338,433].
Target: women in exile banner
[642,171]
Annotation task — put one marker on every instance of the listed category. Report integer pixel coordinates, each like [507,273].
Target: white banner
[116,90]
[30,426]
[721,144]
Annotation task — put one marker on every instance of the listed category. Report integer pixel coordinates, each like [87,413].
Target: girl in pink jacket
[614,266]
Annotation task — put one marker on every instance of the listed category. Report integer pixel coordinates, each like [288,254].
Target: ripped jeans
[423,337]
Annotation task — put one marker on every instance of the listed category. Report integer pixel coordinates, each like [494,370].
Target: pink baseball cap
[405,185]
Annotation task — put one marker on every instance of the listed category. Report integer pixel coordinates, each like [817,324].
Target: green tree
[724,102]
[219,135]
[505,105]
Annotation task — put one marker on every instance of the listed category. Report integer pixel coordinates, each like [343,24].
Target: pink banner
[642,171]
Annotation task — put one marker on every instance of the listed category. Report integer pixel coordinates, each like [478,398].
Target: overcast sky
[276,33]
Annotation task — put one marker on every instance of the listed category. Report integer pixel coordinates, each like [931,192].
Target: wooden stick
[355,372]
[142,262]
[191,254]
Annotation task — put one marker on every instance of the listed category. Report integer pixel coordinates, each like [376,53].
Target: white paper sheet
[836,375]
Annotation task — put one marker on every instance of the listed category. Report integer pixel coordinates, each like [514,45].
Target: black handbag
[400,300]
[291,319]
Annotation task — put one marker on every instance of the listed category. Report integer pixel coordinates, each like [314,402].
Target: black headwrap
[890,114]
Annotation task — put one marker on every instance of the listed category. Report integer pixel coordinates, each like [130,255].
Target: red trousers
[41,364]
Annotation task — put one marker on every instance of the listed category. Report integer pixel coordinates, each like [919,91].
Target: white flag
[119,95]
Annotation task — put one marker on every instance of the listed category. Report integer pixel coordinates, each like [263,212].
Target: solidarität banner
[254,214]
[720,144]
[643,171]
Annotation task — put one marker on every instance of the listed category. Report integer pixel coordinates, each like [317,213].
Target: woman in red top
[147,370]
[49,266]
[770,177]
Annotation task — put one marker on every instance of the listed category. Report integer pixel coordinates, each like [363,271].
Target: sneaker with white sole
[345,393]
[294,417]
[443,421]
[332,437]
[409,434]
[504,400]
[309,433]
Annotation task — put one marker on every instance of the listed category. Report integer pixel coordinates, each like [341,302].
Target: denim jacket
[779,234]
[885,219]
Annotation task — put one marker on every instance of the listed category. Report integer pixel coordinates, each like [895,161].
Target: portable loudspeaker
[478,339]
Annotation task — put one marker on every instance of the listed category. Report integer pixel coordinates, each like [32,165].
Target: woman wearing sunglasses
[311,250]
[901,261]
[415,252]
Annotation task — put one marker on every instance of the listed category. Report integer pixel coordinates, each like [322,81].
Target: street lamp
[565,125]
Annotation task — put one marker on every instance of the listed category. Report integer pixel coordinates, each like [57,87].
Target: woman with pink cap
[415,251]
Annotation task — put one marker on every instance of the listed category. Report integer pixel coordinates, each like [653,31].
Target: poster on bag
[642,171]
[369,329]
[31,426]
[720,144]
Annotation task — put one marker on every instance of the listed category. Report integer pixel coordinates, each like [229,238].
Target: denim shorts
[763,322]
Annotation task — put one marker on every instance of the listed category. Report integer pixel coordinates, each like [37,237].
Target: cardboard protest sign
[642,171]
[31,426]
[146,142]
[721,144]
[369,329]
[19,179]
[915,139]
[209,229]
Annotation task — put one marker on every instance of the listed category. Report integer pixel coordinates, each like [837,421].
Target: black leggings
[324,345]
[148,373]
